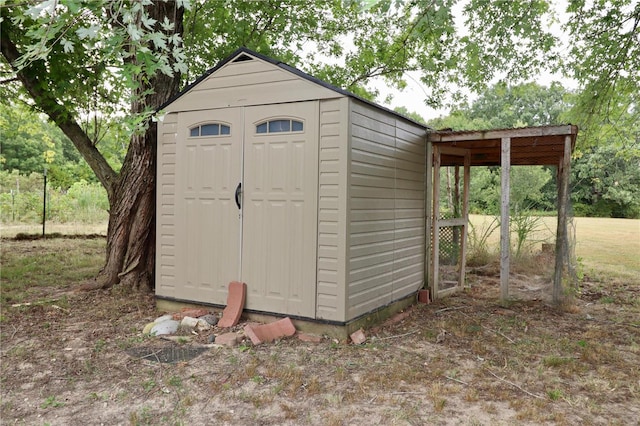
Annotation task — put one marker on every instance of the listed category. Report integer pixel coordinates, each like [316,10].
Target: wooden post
[456,213]
[564,170]
[505,249]
[449,190]
[465,215]
[456,192]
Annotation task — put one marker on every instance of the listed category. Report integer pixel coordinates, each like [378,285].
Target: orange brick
[235,304]
[358,337]
[423,296]
[269,332]
[399,317]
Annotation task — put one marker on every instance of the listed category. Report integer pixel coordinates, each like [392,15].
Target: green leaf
[90,32]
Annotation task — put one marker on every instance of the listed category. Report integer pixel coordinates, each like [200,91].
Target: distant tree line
[605,176]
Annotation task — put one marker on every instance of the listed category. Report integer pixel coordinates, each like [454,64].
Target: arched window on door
[210,129]
[280,126]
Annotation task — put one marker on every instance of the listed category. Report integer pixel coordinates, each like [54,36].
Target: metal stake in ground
[44,202]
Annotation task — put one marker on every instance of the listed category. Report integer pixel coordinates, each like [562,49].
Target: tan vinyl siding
[165,202]
[248,83]
[408,270]
[333,157]
[386,216]
[372,182]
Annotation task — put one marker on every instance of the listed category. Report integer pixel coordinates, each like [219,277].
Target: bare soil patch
[463,360]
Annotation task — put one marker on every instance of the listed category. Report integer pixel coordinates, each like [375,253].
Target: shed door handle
[238,192]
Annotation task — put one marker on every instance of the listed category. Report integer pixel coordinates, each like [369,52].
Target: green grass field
[10,230]
[604,246]
[611,246]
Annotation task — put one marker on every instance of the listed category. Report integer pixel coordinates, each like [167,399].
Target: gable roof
[244,52]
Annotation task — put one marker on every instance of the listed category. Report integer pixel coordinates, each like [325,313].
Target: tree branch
[514,385]
[8,80]
[398,46]
[30,78]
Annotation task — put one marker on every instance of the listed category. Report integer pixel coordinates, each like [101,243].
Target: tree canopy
[96,53]
[604,57]
[504,106]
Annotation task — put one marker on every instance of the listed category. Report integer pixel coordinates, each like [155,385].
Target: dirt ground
[464,360]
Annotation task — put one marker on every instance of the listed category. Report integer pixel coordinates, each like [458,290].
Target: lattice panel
[449,253]
[444,215]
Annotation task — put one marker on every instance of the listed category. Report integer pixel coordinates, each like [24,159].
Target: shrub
[83,202]
[479,253]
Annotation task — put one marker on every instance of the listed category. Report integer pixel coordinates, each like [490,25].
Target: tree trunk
[449,191]
[131,230]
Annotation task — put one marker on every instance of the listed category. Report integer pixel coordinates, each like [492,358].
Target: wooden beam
[451,150]
[538,151]
[549,160]
[519,156]
[504,133]
[523,142]
[504,218]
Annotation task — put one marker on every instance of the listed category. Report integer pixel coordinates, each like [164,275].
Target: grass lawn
[68,357]
[608,247]
[29,268]
[70,228]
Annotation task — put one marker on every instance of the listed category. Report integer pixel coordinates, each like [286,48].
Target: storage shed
[312,196]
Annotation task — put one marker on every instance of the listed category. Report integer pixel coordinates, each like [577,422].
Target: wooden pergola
[532,146]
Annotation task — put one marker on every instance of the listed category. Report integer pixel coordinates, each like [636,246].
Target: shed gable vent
[243,58]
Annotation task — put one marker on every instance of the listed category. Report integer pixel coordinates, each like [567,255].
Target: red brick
[400,316]
[311,338]
[235,304]
[423,296]
[358,337]
[269,332]
[227,339]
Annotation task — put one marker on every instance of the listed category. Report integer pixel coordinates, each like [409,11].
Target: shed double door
[250,199]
